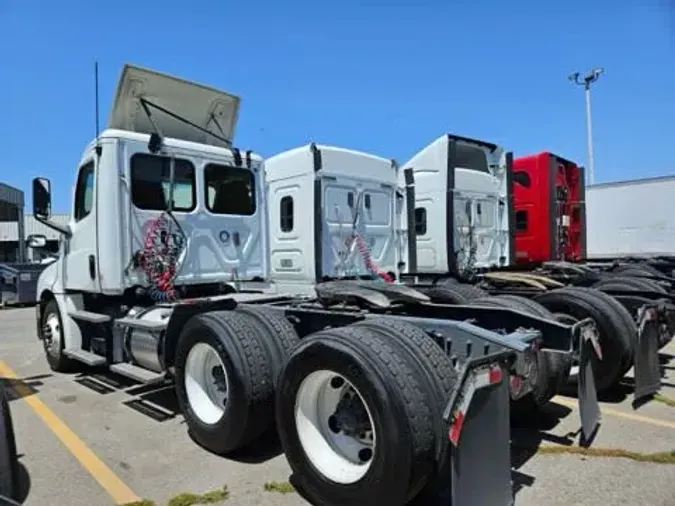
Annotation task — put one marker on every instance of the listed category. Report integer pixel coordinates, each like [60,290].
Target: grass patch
[190,499]
[657,458]
[142,502]
[282,487]
[665,400]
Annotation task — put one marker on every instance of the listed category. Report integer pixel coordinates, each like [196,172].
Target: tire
[452,292]
[278,334]
[437,370]
[53,346]
[9,461]
[616,328]
[637,284]
[629,325]
[224,340]
[552,368]
[637,270]
[398,404]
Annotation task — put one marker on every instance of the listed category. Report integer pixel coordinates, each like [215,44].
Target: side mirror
[42,198]
[36,241]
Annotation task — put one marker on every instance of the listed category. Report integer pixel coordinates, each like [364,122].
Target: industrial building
[13,224]
[9,234]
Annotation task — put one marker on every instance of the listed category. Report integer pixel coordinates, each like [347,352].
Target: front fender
[48,284]
[49,280]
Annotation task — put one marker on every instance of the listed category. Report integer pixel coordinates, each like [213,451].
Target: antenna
[98,130]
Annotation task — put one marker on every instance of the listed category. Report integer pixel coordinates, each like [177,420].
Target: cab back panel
[220,247]
[359,216]
[550,208]
[532,202]
[462,190]
[341,195]
[365,209]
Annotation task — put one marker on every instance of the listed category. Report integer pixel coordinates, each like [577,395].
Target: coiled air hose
[163,244]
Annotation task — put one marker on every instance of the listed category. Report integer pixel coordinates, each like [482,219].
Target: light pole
[590,77]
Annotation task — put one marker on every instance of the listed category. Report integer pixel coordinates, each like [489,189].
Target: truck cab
[163,176]
[550,208]
[462,212]
[333,213]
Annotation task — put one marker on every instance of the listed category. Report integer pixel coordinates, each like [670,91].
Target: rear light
[479,378]
[525,372]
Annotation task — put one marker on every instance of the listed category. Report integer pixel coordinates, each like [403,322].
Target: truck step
[84,356]
[90,317]
[137,373]
[149,325]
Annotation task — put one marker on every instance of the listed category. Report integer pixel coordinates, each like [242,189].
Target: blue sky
[383,77]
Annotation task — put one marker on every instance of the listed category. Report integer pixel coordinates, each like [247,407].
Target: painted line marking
[620,414]
[112,484]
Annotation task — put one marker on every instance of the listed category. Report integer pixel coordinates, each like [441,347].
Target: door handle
[92,266]
[236,239]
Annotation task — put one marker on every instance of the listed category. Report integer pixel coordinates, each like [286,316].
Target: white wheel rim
[206,388]
[338,456]
[53,344]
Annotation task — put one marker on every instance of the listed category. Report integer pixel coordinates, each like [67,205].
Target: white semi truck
[165,272]
[464,228]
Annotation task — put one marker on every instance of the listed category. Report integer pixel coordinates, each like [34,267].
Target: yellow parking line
[112,484]
[620,414]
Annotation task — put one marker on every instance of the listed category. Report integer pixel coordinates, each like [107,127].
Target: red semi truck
[550,215]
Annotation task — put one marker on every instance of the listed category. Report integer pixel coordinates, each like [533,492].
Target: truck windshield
[471,157]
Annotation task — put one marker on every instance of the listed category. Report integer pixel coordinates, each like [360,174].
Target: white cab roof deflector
[196,103]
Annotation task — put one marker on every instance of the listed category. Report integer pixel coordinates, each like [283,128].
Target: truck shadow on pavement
[528,433]
[158,402]
[18,388]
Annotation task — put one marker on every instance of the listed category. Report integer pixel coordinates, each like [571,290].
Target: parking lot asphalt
[95,439]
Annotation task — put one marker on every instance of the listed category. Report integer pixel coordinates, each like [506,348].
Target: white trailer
[631,218]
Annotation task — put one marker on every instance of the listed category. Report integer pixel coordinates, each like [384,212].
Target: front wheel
[52,339]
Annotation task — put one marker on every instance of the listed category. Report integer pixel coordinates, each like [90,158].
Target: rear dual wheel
[616,328]
[226,368]
[552,368]
[359,413]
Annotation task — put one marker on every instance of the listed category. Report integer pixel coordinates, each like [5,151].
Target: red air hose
[160,254]
[368,260]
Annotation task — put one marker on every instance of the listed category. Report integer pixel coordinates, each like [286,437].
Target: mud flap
[647,371]
[589,408]
[479,467]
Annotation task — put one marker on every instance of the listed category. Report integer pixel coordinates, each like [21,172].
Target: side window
[522,178]
[521,221]
[420,221]
[229,190]
[84,192]
[286,214]
[151,181]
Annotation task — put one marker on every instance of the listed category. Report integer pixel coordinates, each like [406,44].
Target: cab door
[81,248]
